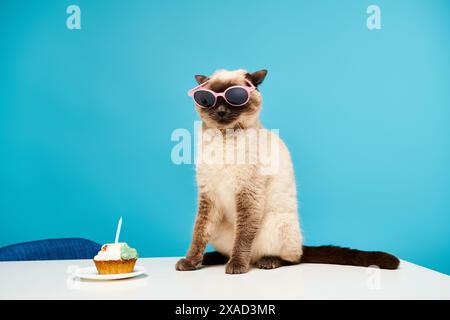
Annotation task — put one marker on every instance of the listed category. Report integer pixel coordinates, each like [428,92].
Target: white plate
[91,273]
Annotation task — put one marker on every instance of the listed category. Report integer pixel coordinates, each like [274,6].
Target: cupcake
[115,258]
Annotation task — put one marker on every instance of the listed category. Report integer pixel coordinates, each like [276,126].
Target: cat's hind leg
[270,262]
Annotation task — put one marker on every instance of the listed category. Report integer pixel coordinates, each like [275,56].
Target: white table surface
[52,280]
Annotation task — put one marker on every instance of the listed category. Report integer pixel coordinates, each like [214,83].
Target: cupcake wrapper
[115,266]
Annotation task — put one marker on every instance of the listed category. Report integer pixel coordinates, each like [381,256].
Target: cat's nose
[221,113]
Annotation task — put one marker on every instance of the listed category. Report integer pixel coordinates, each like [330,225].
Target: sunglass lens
[236,96]
[204,98]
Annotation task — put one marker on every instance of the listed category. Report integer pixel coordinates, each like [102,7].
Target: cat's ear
[257,77]
[201,79]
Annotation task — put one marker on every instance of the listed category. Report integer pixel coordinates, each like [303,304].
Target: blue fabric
[50,249]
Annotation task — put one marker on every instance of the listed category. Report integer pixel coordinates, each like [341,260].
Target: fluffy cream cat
[246,187]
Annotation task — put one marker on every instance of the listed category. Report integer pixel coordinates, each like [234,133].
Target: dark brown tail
[214,258]
[351,257]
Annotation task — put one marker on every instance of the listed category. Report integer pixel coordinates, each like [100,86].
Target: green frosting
[127,253]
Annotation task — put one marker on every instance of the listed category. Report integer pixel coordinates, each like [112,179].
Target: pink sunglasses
[236,95]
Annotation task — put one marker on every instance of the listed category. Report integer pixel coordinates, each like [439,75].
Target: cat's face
[223,115]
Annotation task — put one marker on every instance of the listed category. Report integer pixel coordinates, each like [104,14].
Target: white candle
[119,226]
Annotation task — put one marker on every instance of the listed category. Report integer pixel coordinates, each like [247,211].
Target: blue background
[86,117]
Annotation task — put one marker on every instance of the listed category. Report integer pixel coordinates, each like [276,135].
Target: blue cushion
[50,249]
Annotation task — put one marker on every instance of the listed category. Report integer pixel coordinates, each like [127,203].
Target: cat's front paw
[235,266]
[185,265]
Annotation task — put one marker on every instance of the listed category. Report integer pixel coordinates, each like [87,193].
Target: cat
[248,214]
